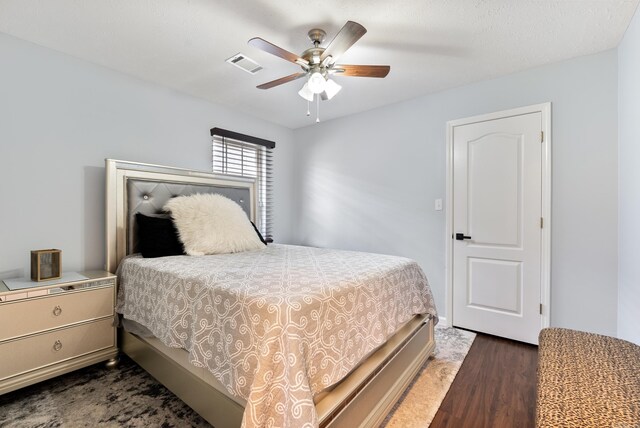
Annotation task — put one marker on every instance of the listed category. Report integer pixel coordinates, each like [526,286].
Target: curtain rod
[242,137]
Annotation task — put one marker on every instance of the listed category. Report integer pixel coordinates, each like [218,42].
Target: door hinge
[541,223]
[540,308]
[542,136]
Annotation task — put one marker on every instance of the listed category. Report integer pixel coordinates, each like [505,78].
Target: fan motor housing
[312,55]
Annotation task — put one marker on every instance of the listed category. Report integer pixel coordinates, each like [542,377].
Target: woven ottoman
[587,380]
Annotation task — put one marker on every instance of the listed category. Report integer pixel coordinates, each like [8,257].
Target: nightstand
[53,327]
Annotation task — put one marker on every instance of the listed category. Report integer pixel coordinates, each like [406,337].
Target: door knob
[461,236]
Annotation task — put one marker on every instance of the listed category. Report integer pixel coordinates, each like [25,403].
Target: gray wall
[368,181]
[61,117]
[629,187]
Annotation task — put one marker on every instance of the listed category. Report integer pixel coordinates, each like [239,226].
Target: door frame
[545,274]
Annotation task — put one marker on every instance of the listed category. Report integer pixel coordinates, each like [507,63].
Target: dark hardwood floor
[495,387]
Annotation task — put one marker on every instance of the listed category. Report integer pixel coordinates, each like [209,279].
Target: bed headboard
[134,187]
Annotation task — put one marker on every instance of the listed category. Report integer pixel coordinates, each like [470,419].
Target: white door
[497,235]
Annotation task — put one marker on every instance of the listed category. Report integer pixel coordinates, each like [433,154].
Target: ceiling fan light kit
[317,82]
[319,63]
[306,93]
[331,88]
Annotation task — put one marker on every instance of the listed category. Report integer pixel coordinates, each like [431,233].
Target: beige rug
[420,402]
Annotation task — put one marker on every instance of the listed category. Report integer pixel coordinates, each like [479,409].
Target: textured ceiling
[431,45]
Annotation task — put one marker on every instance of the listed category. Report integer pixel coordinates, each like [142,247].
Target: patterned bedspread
[275,326]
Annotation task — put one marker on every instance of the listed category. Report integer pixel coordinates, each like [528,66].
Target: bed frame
[362,399]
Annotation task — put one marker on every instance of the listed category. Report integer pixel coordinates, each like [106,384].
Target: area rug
[129,397]
[420,402]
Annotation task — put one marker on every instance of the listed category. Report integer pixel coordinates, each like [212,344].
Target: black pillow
[158,236]
[259,234]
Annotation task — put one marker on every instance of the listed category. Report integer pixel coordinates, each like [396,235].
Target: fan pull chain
[308,111]
[318,110]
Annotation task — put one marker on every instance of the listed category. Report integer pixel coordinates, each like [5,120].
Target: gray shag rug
[128,397]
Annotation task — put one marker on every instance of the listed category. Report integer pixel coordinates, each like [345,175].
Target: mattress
[275,326]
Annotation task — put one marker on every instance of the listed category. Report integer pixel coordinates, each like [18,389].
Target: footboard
[363,399]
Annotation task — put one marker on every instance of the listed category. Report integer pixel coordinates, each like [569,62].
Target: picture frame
[46,264]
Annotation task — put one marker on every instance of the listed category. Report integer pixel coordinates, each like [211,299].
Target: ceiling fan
[318,63]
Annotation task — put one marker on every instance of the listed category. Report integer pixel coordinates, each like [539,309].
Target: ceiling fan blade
[281,80]
[348,35]
[361,70]
[269,47]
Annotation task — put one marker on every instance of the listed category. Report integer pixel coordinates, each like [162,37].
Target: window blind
[246,156]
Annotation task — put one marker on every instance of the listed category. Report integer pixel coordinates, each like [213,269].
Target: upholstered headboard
[134,187]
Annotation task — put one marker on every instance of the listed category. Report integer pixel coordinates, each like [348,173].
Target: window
[246,156]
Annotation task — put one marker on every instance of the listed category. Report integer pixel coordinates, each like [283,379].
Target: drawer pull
[57,346]
[57,310]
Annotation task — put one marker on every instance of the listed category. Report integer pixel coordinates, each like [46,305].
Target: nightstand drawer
[39,314]
[33,352]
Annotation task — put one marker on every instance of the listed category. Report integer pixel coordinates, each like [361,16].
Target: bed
[306,363]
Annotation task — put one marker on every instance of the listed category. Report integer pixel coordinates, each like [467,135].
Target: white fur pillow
[212,224]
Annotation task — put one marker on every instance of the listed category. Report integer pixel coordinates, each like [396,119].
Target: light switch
[438,204]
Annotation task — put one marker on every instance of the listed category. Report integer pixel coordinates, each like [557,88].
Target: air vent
[241,61]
